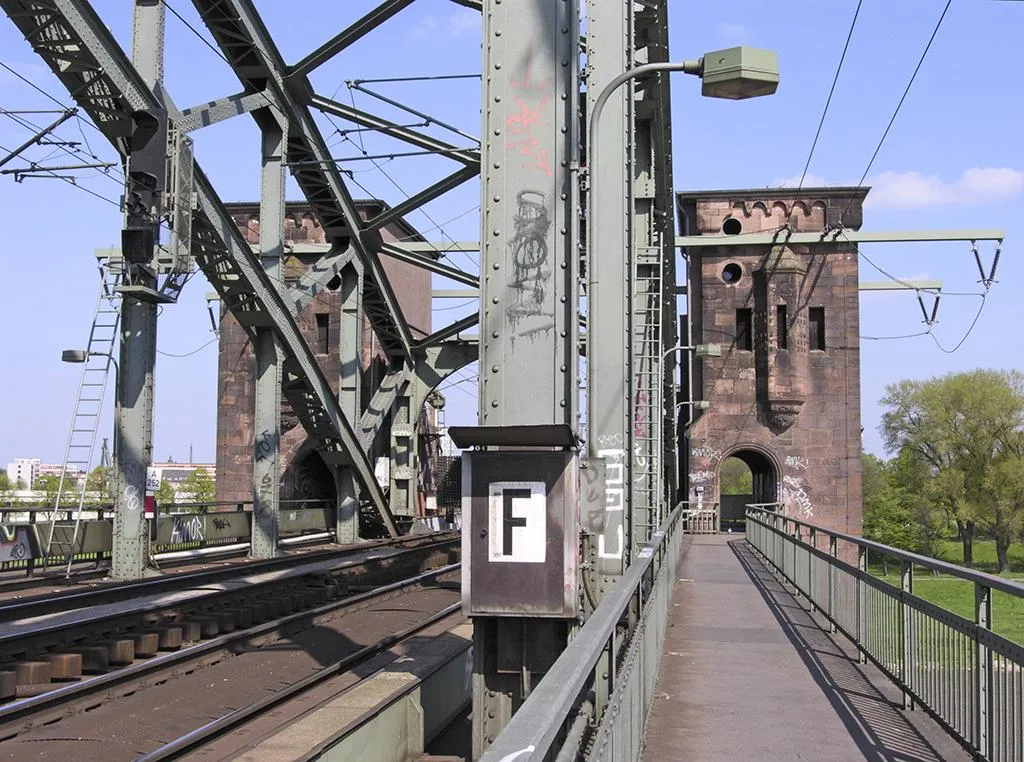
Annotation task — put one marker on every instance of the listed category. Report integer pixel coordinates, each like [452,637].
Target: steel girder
[247,45]
[82,53]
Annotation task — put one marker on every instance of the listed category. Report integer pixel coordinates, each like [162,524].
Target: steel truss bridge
[571,527]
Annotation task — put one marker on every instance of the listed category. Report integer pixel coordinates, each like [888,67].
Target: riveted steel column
[528,307]
[133,427]
[402,495]
[609,360]
[529,315]
[350,335]
[266,477]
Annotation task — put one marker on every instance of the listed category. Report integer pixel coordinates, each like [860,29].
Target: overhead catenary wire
[828,101]
[899,105]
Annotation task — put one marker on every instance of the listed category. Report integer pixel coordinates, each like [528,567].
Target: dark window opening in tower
[744,329]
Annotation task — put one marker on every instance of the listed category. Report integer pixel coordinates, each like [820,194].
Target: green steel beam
[840,236]
[902,285]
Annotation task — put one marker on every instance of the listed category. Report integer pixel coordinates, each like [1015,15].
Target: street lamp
[699,350]
[81,355]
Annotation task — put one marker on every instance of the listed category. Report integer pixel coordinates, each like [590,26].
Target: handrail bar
[982,578]
[538,722]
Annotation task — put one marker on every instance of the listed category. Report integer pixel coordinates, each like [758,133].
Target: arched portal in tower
[746,475]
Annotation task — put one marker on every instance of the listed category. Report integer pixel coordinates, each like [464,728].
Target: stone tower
[784,397]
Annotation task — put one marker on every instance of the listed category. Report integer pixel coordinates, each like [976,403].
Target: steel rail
[48,603]
[226,723]
[14,641]
[50,700]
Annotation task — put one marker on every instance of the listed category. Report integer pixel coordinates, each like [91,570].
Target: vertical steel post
[402,495]
[133,417]
[833,551]
[909,644]
[529,313]
[862,605]
[350,336]
[609,298]
[983,694]
[266,476]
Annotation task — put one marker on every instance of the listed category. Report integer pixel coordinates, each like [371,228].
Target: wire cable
[970,329]
[831,91]
[189,354]
[899,105]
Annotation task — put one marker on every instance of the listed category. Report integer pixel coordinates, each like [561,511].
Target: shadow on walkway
[865,700]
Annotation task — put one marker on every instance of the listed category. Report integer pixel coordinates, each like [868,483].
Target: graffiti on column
[611,540]
[530,267]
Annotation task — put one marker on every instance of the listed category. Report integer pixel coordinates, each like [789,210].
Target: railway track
[95,639]
[49,602]
[169,704]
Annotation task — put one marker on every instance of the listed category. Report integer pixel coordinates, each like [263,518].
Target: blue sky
[953,159]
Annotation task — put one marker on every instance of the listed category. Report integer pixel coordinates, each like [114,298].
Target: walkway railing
[594,701]
[199,527]
[961,672]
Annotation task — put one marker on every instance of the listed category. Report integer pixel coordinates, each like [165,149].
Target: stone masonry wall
[301,476]
[782,405]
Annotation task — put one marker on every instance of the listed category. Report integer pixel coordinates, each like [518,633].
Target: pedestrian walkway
[748,674]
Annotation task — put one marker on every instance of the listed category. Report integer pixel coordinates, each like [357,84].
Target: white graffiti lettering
[797,461]
[131,498]
[187,529]
[795,495]
[701,477]
[708,453]
[614,501]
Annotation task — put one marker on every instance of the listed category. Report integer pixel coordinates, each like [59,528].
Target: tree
[957,424]
[1005,481]
[48,484]
[198,487]
[735,478]
[98,481]
[7,488]
[887,519]
[165,494]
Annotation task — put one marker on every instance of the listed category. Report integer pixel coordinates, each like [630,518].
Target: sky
[953,158]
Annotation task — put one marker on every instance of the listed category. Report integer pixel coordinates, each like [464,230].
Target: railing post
[862,603]
[909,641]
[983,671]
[812,540]
[833,550]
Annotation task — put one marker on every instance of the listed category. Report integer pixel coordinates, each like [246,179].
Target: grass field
[957,595]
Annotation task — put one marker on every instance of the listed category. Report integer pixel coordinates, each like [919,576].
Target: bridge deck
[748,674]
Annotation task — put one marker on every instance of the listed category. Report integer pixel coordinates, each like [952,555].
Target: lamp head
[738,73]
[73,355]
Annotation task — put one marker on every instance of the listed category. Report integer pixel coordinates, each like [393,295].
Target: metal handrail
[961,572]
[537,724]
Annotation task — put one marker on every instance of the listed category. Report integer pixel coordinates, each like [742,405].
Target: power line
[970,329]
[832,90]
[899,105]
[188,354]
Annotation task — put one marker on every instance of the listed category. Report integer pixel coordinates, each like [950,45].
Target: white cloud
[736,32]
[458,25]
[976,185]
[810,181]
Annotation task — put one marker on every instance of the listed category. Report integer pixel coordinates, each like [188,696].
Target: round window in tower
[732,273]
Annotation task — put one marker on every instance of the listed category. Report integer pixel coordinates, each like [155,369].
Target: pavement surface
[749,674]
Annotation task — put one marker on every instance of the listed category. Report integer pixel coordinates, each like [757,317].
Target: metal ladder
[646,408]
[85,420]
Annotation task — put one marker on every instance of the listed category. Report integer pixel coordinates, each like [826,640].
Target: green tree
[165,494]
[958,425]
[887,519]
[99,482]
[47,484]
[1005,481]
[198,487]
[735,478]
[7,488]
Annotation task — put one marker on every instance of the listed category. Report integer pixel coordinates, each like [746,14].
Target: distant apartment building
[176,473]
[23,472]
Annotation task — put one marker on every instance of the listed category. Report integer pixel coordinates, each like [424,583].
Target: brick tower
[784,397]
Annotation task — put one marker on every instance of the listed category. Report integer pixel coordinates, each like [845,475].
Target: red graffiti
[530,115]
